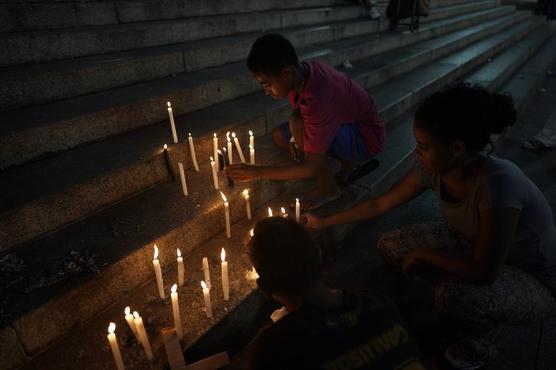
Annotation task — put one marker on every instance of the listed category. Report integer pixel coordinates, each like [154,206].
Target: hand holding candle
[227,216]
[238,147]
[158,273]
[138,320]
[192,150]
[113,341]
[224,271]
[245,194]
[206,297]
[176,311]
[181,270]
[172,123]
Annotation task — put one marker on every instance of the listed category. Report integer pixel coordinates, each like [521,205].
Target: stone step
[33,84]
[95,176]
[37,131]
[81,342]
[40,15]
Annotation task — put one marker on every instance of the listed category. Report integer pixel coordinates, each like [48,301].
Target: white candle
[172,123]
[238,147]
[230,154]
[114,346]
[138,320]
[213,167]
[130,323]
[192,149]
[182,178]
[283,211]
[251,154]
[158,273]
[297,210]
[251,139]
[227,216]
[206,296]
[215,149]
[176,311]
[247,203]
[206,271]
[270,212]
[181,270]
[225,280]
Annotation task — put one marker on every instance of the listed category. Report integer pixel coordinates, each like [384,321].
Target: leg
[515,297]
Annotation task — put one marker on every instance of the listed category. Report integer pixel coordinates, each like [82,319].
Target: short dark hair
[270,54]
[466,112]
[285,257]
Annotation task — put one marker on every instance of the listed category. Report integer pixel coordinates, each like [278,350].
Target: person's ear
[287,73]
[458,148]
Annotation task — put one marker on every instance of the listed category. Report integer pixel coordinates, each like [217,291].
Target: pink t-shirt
[332,99]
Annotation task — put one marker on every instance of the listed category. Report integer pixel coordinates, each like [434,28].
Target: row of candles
[135,321]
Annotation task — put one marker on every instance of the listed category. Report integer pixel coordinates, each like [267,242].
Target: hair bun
[501,112]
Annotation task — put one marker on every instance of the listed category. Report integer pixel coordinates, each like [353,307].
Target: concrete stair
[87,191]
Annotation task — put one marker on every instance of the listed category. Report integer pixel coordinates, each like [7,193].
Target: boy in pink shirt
[331,115]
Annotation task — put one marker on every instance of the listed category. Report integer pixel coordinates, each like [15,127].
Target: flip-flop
[346,177]
[317,202]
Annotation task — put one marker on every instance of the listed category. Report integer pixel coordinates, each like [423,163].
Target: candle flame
[155,252]
[250,133]
[224,149]
[252,274]
[245,193]
[270,212]
[296,201]
[165,147]
[174,288]
[178,252]
[219,152]
[203,285]
[111,328]
[190,134]
[223,255]
[136,314]
[224,197]
[169,105]
[283,210]
[234,135]
[127,310]
[214,135]
[211,159]
[228,136]
[252,232]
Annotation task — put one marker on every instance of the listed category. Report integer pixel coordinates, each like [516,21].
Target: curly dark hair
[466,112]
[285,257]
[270,54]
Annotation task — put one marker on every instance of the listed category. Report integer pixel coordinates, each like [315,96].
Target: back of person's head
[270,54]
[287,260]
[465,112]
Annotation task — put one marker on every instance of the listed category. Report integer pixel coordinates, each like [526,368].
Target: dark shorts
[348,145]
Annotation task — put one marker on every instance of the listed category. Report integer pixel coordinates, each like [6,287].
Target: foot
[533,144]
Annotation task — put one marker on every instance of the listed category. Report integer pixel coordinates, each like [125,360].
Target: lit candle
[215,149]
[283,211]
[172,123]
[297,210]
[181,270]
[251,139]
[182,178]
[238,147]
[227,216]
[214,173]
[252,232]
[138,320]
[270,212]
[192,149]
[114,346]
[206,296]
[158,273]
[225,280]
[206,271]
[221,160]
[176,311]
[251,154]
[130,323]
[230,155]
[247,203]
